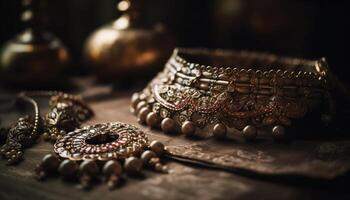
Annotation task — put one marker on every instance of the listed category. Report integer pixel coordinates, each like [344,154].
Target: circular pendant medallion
[104,141]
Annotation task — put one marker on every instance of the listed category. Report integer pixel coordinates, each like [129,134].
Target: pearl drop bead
[112,167]
[188,128]
[250,132]
[147,155]
[152,119]
[168,125]
[89,167]
[68,168]
[143,115]
[135,100]
[133,165]
[140,105]
[50,163]
[157,147]
[219,130]
[278,132]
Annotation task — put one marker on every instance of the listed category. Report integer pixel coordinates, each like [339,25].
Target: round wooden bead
[135,100]
[143,114]
[50,163]
[112,167]
[168,125]
[89,167]
[133,165]
[278,132]
[188,128]
[46,136]
[147,155]
[157,147]
[219,130]
[68,168]
[250,132]
[152,119]
[140,105]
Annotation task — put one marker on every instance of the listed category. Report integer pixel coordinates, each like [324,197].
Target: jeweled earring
[22,134]
[66,113]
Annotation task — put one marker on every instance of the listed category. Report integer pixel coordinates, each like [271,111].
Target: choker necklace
[201,91]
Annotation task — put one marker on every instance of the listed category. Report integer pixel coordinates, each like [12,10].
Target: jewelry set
[88,154]
[199,91]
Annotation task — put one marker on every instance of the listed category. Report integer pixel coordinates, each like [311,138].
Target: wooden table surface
[185,181]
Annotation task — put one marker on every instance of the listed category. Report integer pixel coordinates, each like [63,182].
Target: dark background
[309,29]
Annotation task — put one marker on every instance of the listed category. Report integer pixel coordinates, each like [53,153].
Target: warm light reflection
[27,15]
[63,55]
[27,36]
[22,48]
[101,39]
[123,5]
[318,69]
[122,22]
[145,57]
[6,59]
[320,66]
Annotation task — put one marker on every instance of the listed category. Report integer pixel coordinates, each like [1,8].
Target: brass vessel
[35,56]
[125,48]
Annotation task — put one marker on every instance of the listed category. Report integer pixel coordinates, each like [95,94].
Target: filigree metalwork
[102,142]
[22,134]
[66,113]
[269,92]
[105,151]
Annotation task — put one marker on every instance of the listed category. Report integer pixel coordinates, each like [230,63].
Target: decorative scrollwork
[258,97]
